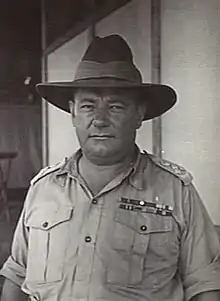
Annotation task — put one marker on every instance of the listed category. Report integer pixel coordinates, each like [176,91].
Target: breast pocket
[48,231]
[130,241]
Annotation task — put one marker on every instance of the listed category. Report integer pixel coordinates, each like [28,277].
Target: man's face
[106,121]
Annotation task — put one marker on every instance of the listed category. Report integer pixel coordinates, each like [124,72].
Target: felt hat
[108,62]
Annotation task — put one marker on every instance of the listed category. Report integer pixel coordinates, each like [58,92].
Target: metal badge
[145,206]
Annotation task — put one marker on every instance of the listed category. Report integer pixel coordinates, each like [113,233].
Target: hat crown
[110,58]
[108,63]
[112,48]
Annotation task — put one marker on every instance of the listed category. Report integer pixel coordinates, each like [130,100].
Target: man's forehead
[117,93]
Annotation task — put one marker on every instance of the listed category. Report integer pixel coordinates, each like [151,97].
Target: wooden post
[44,75]
[91,30]
[156,70]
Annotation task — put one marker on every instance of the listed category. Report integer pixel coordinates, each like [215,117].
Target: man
[111,223]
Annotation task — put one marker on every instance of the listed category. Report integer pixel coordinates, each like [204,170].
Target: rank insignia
[145,206]
[173,168]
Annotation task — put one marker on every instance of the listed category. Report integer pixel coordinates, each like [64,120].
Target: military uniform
[146,236]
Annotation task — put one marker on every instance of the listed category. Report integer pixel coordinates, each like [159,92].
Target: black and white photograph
[110,150]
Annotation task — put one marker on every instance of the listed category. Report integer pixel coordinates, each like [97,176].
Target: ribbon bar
[145,206]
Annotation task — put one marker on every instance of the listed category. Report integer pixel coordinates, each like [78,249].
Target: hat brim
[160,98]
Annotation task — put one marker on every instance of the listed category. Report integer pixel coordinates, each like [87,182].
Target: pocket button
[143,228]
[45,224]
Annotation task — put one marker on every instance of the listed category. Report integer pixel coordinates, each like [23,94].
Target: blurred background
[20,106]
[20,109]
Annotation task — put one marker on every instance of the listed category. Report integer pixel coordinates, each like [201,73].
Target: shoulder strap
[173,168]
[46,171]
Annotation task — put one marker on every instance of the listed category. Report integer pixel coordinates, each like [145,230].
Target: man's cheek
[79,122]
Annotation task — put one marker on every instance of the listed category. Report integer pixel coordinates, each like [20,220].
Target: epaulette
[173,168]
[46,171]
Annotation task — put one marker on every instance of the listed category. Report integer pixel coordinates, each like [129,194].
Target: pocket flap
[158,223]
[143,223]
[46,218]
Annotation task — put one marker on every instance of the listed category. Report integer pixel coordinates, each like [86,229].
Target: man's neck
[115,162]
[98,176]
[107,162]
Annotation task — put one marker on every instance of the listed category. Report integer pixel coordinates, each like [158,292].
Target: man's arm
[200,250]
[14,269]
[207,296]
[12,292]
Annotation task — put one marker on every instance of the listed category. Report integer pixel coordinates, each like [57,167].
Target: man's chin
[99,151]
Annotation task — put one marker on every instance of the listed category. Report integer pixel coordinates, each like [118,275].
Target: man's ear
[141,110]
[72,110]
[72,107]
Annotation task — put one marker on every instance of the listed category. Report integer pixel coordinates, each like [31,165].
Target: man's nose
[101,118]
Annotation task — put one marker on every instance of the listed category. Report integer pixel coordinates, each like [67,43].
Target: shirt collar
[136,178]
[135,174]
[70,166]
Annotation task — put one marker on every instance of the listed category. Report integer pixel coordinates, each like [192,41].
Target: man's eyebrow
[117,99]
[86,99]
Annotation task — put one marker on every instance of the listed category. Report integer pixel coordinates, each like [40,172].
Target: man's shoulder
[172,168]
[48,170]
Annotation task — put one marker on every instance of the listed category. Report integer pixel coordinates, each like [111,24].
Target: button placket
[92,225]
[88,242]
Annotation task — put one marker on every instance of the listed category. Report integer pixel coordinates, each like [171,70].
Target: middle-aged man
[111,223]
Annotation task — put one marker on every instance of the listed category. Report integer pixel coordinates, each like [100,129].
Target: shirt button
[45,224]
[94,201]
[143,228]
[88,239]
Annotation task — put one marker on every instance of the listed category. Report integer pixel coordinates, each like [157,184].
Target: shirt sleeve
[200,247]
[14,268]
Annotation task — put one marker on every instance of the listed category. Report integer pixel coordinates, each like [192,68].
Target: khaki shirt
[146,236]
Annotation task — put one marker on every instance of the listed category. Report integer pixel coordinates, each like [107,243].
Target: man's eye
[87,107]
[117,107]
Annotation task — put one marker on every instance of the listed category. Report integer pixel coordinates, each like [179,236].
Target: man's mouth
[101,136]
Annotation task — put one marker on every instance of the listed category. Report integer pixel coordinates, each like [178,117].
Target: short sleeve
[200,247]
[14,268]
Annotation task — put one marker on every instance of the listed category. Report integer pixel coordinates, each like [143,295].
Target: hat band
[118,70]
